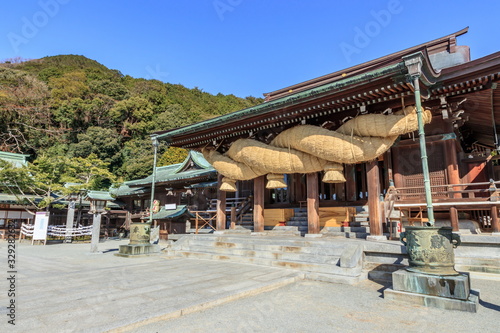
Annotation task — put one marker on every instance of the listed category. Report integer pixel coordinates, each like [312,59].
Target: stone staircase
[246,221]
[338,261]
[299,221]
[359,228]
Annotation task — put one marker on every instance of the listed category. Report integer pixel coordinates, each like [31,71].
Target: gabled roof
[442,44]
[193,169]
[99,195]
[380,80]
[124,190]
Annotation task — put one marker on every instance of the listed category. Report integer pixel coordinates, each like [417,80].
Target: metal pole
[153,181]
[423,152]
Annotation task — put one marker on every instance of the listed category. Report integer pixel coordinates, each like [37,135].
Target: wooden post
[233,217]
[454,218]
[221,206]
[452,166]
[363,181]
[312,203]
[389,176]
[495,227]
[373,184]
[258,204]
[350,186]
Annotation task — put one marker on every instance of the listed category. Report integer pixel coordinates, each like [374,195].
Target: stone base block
[469,305]
[449,286]
[313,235]
[138,250]
[238,230]
[376,238]
[280,231]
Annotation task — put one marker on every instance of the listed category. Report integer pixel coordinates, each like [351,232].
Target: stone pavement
[310,306]
[64,288]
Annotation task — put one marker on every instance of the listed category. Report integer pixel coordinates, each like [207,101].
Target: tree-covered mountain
[72,106]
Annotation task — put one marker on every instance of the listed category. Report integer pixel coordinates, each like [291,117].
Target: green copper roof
[17,160]
[125,190]
[193,167]
[99,195]
[13,200]
[299,97]
[172,213]
[203,185]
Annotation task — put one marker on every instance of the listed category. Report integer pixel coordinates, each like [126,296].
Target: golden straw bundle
[228,185]
[276,181]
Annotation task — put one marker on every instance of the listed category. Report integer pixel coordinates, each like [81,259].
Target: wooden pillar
[233,217]
[495,226]
[221,206]
[350,186]
[397,167]
[373,184]
[452,166]
[454,218]
[312,203]
[388,169]
[363,181]
[258,204]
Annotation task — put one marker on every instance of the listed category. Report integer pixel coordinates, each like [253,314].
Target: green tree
[172,155]
[104,143]
[42,182]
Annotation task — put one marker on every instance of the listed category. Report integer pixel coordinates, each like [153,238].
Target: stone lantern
[98,201]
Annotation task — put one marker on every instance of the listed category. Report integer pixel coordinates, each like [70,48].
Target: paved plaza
[64,288]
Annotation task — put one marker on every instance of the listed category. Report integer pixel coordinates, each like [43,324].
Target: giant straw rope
[308,148]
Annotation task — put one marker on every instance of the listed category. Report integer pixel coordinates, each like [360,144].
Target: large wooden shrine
[349,139]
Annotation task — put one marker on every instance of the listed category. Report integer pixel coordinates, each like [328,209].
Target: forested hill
[70,105]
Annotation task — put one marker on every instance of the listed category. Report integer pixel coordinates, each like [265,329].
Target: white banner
[41,225]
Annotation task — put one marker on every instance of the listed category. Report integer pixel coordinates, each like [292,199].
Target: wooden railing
[486,191]
[237,207]
[204,219]
[478,198]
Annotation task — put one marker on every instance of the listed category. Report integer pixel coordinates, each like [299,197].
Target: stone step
[303,266]
[297,223]
[257,248]
[298,218]
[360,235]
[350,229]
[266,254]
[360,224]
[246,242]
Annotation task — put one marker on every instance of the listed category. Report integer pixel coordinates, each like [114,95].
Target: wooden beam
[350,186]
[373,185]
[454,218]
[258,204]
[312,203]
[221,206]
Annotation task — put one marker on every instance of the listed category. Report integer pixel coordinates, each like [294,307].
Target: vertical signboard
[41,226]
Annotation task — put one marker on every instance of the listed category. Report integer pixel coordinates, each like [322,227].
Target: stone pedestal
[139,245]
[138,250]
[444,292]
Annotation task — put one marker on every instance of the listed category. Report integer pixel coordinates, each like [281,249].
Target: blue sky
[243,47]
